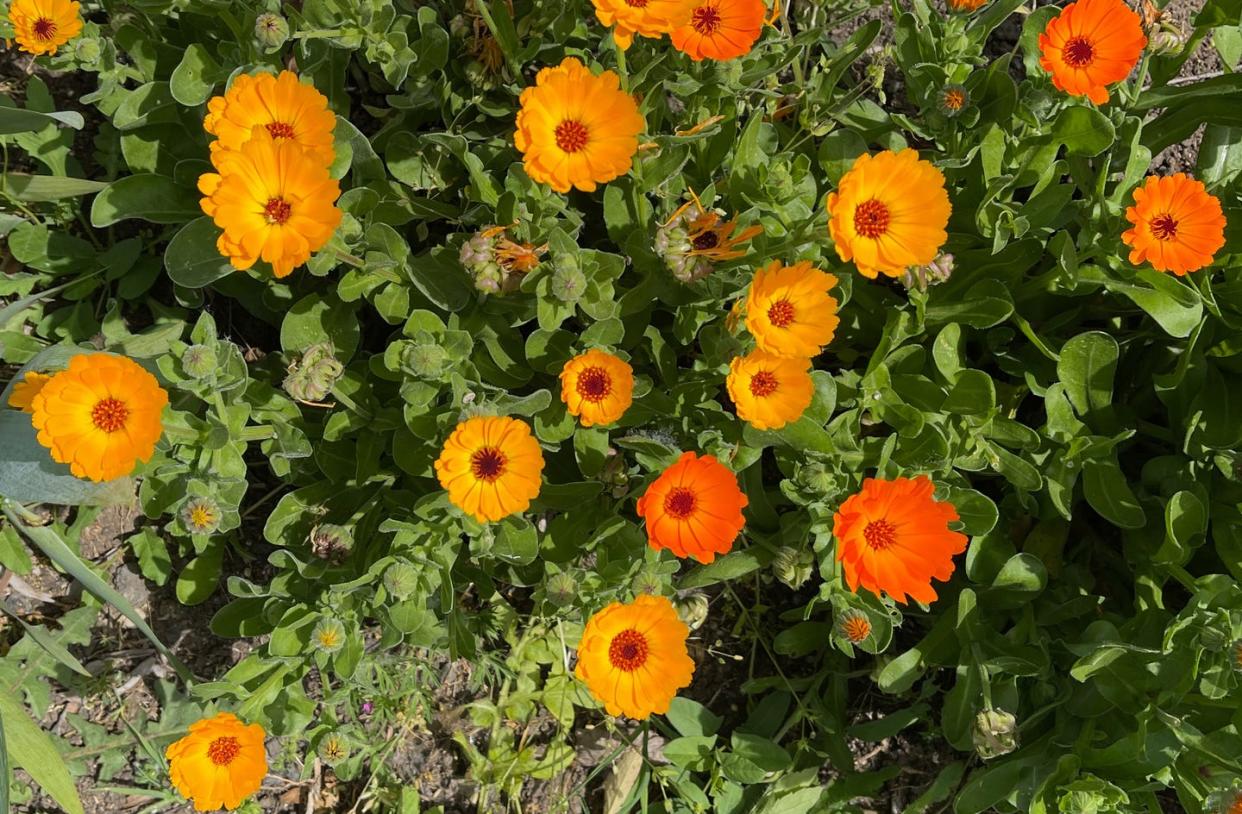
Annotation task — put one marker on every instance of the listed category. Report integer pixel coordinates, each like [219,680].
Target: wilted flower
[401,579]
[695,237]
[334,749]
[331,542]
[562,588]
[853,625]
[199,361]
[311,379]
[793,566]
[495,262]
[994,733]
[953,100]
[934,273]
[271,30]
[692,608]
[201,515]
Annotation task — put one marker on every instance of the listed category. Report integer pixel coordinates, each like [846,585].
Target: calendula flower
[967,5]
[853,626]
[889,212]
[101,415]
[42,26]
[21,397]
[219,763]
[789,310]
[1178,224]
[274,200]
[200,515]
[953,99]
[1090,45]
[694,508]
[720,29]
[770,391]
[575,129]
[328,635]
[633,657]
[695,238]
[491,466]
[597,387]
[650,18]
[288,108]
[893,536]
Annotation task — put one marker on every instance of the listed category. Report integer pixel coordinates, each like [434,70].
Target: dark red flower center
[277,211]
[628,650]
[706,20]
[488,464]
[763,384]
[880,534]
[636,3]
[571,135]
[223,750]
[109,415]
[1164,227]
[594,384]
[280,130]
[781,313]
[680,502]
[1079,52]
[707,240]
[44,28]
[871,219]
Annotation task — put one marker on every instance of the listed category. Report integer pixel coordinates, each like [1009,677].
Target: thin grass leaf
[35,751]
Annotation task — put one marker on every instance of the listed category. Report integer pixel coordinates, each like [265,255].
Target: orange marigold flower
[23,393]
[1178,224]
[42,26]
[893,536]
[575,129]
[770,391]
[633,657]
[101,415]
[285,106]
[219,763]
[1091,44]
[789,310]
[694,508]
[889,213]
[650,18]
[274,200]
[720,29]
[491,466]
[597,387]
[967,5]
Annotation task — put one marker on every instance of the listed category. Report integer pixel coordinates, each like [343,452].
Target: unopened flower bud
[953,99]
[647,582]
[87,50]
[1167,41]
[692,609]
[853,626]
[199,361]
[425,360]
[331,542]
[1213,638]
[401,579]
[934,273]
[334,749]
[568,283]
[817,477]
[561,588]
[271,30]
[995,733]
[328,635]
[793,566]
[200,515]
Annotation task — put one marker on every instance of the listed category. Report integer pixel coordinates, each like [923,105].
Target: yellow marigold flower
[889,213]
[23,392]
[575,129]
[597,387]
[286,106]
[42,26]
[633,657]
[789,310]
[101,415]
[650,18]
[219,763]
[274,201]
[770,391]
[491,466]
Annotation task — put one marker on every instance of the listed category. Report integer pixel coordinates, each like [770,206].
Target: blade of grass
[35,751]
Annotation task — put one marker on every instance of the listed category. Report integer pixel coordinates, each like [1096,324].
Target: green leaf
[734,565]
[194,77]
[988,787]
[1086,367]
[690,718]
[973,393]
[200,577]
[314,319]
[1084,131]
[37,188]
[34,750]
[16,120]
[148,197]
[29,475]
[192,259]
[49,644]
[1109,494]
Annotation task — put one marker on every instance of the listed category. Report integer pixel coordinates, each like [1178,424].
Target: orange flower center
[628,650]
[706,20]
[280,130]
[954,99]
[571,135]
[1079,52]
[594,384]
[880,534]
[488,464]
[707,240]
[109,415]
[856,628]
[277,211]
[781,313]
[223,750]
[679,503]
[44,28]
[1164,227]
[871,219]
[763,384]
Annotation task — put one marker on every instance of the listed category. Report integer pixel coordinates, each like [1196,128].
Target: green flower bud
[87,50]
[271,30]
[332,543]
[853,626]
[425,360]
[401,579]
[793,566]
[953,99]
[647,582]
[994,733]
[1213,638]
[568,283]
[934,273]
[328,635]
[1167,41]
[334,749]
[312,379]
[199,361]
[561,589]
[200,515]
[817,477]
[692,609]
